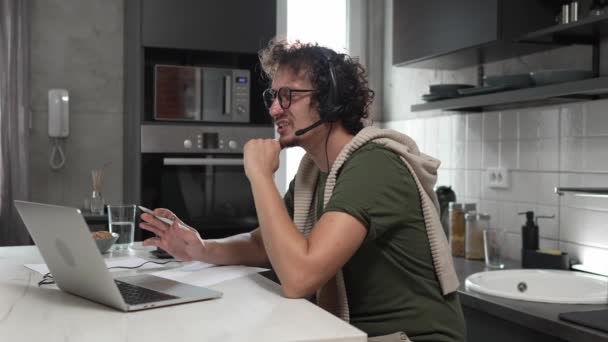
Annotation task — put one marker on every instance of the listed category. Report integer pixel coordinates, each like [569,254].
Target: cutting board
[597,319]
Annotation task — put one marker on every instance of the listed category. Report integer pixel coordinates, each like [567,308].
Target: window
[327,27]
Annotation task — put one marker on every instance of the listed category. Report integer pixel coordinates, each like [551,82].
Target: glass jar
[457,228]
[476,223]
[97,203]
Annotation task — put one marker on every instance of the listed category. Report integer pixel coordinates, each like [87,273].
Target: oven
[197,172]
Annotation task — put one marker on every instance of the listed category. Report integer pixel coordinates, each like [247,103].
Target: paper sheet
[201,274]
[127,261]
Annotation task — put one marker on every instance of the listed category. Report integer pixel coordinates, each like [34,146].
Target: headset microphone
[305,130]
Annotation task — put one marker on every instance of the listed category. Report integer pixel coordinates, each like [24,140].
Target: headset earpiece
[332,110]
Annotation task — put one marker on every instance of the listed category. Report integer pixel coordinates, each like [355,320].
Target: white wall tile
[508,125]
[583,226]
[473,155]
[524,187]
[548,154]
[459,127]
[572,120]
[444,154]
[490,154]
[595,154]
[458,183]
[528,123]
[492,208]
[528,155]
[548,228]
[596,118]
[509,154]
[472,183]
[510,220]
[548,123]
[458,154]
[444,124]
[473,126]
[571,154]
[491,126]
[415,130]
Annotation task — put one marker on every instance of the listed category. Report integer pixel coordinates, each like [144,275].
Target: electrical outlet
[498,178]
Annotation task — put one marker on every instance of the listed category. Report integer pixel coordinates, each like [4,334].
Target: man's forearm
[242,249]
[285,246]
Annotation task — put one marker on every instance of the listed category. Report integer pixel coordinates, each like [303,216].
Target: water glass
[493,244]
[121,219]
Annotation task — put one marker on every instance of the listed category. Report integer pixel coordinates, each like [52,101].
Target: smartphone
[148,211]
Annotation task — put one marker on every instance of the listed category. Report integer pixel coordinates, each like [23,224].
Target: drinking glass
[121,219]
[493,244]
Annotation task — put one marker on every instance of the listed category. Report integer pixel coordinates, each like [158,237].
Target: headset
[331,111]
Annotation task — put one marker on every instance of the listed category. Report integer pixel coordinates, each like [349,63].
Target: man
[358,229]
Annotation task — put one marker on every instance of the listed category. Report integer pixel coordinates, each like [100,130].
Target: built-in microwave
[190,93]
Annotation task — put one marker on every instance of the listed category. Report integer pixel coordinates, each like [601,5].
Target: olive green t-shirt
[390,280]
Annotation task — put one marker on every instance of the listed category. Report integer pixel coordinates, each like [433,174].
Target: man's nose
[276,109]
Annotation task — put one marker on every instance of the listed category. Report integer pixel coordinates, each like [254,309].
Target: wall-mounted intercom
[59,124]
[59,113]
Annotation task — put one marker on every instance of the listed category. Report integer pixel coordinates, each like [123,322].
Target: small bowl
[105,244]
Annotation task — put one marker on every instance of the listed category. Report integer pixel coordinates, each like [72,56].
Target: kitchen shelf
[583,31]
[563,92]
[587,30]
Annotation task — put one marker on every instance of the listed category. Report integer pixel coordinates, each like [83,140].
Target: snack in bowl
[104,240]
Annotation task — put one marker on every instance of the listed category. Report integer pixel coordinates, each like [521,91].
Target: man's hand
[180,240]
[261,157]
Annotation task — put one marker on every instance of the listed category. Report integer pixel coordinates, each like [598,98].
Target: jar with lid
[457,228]
[470,207]
[476,223]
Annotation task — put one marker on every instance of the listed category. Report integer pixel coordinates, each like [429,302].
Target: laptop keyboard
[134,295]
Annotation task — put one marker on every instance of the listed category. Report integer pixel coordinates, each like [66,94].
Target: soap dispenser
[529,233]
[531,256]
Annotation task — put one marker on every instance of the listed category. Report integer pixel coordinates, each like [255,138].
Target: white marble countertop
[251,309]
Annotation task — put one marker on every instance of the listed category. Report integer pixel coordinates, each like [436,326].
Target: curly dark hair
[353,94]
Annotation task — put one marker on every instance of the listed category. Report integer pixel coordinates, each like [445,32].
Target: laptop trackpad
[169,286]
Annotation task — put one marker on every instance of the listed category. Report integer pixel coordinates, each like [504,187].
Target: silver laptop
[66,244]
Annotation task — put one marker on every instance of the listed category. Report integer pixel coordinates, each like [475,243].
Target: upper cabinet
[219,25]
[447,34]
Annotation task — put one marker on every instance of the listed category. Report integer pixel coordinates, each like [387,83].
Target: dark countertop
[542,317]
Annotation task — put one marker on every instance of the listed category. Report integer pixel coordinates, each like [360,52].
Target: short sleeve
[376,187]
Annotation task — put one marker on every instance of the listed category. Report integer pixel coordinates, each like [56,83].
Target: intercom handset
[59,124]
[59,113]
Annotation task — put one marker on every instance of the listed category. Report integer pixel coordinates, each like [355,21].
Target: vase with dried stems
[97,202]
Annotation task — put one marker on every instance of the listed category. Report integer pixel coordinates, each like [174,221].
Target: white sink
[548,286]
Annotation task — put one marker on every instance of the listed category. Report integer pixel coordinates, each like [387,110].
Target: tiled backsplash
[543,147]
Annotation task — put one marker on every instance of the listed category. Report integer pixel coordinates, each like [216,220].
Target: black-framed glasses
[284,94]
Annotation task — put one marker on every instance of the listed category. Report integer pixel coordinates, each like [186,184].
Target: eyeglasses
[284,94]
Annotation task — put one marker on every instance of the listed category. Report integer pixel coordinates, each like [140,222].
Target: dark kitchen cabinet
[218,33]
[450,34]
[217,25]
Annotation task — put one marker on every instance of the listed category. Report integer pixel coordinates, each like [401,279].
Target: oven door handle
[203,161]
